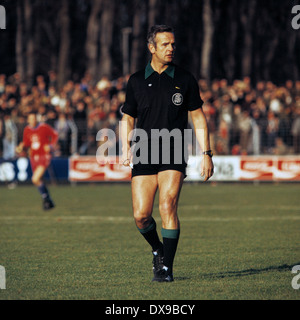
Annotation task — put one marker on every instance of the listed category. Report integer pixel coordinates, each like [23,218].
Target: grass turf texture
[237,242]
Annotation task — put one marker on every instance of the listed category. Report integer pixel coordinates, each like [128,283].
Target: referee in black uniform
[158,100]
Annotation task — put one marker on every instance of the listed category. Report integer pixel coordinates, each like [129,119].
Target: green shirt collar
[170,71]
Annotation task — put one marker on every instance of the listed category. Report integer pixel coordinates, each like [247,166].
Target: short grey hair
[155,30]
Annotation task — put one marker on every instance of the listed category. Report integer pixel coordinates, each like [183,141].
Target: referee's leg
[143,194]
[169,184]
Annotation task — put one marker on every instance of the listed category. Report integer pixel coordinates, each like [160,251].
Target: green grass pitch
[238,241]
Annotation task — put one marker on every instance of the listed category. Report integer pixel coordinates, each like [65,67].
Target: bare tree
[64,48]
[231,42]
[251,40]
[91,45]
[137,35]
[25,41]
[247,16]
[208,30]
[106,37]
[29,34]
[20,57]
[272,27]
[291,55]
[152,12]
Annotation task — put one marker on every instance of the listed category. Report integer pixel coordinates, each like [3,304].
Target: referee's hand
[126,160]
[207,170]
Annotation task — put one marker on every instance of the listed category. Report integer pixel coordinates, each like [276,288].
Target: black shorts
[150,168]
[153,169]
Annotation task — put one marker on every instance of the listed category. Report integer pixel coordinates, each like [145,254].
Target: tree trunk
[106,38]
[137,31]
[273,41]
[20,57]
[29,32]
[152,12]
[91,46]
[64,48]
[292,70]
[230,65]
[269,56]
[208,29]
[247,15]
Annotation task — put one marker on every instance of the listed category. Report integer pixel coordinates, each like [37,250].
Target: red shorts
[37,160]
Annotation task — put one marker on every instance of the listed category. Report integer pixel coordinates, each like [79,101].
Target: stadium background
[70,61]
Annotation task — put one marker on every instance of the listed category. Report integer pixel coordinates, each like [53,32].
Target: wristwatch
[208,152]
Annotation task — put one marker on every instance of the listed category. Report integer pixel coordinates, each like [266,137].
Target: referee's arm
[202,135]
[127,127]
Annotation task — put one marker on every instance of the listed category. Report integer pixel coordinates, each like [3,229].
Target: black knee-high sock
[170,242]
[151,236]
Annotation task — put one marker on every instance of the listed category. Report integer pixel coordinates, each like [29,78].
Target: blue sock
[43,191]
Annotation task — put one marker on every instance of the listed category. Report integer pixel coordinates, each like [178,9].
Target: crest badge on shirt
[177,99]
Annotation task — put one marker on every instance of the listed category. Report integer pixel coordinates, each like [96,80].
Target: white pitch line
[211,207]
[246,207]
[92,219]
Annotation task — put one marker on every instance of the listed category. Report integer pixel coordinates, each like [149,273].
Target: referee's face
[164,50]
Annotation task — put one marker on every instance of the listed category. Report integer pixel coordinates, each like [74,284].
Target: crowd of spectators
[253,120]
[243,119]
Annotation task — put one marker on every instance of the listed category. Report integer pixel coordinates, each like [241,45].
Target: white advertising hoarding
[225,168]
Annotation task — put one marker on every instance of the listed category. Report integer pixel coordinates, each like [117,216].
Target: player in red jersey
[39,139]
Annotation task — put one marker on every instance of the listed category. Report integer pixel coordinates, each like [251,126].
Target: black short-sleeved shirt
[162,101]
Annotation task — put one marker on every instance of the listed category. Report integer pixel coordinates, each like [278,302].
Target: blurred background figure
[62,127]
